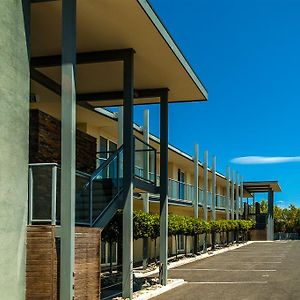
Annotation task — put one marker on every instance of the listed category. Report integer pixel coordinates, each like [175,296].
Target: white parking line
[250,262]
[255,255]
[224,270]
[227,282]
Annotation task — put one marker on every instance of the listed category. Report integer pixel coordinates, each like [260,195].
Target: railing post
[213,189]
[205,185]
[227,205]
[270,221]
[237,198]
[241,195]
[232,195]
[53,195]
[91,202]
[195,194]
[118,173]
[30,198]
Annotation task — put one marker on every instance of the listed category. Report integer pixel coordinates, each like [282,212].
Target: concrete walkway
[262,270]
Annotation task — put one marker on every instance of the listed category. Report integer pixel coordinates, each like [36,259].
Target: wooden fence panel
[42,264]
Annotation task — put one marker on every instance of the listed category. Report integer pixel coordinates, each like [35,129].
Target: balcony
[44,186]
[181,191]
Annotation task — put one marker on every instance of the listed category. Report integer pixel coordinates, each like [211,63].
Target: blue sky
[247,54]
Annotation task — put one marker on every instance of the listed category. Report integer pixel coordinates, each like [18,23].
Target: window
[105,253]
[181,184]
[106,148]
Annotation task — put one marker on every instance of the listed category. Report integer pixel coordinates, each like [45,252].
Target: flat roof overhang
[262,186]
[105,25]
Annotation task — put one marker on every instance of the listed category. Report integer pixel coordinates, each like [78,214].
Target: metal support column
[146,170]
[237,199]
[228,193]
[241,195]
[205,185]
[146,158]
[120,126]
[68,144]
[213,188]
[163,245]
[128,158]
[26,5]
[232,195]
[270,224]
[196,181]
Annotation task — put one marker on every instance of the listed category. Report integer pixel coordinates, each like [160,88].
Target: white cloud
[255,160]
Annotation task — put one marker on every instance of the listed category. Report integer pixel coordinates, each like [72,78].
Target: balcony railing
[44,192]
[145,157]
[201,196]
[180,191]
[221,202]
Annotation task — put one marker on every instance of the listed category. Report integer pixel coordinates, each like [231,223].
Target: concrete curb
[193,259]
[148,294]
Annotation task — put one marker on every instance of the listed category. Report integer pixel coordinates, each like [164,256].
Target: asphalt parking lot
[262,270]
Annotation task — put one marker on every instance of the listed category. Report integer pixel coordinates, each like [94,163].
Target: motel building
[69,164]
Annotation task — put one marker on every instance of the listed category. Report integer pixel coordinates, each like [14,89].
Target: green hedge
[146,225]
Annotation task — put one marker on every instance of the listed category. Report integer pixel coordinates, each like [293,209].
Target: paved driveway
[261,270]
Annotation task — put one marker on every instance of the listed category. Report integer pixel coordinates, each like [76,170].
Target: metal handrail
[181,182]
[106,163]
[150,149]
[42,164]
[143,142]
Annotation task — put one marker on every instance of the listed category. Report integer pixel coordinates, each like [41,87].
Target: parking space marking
[250,262]
[224,270]
[227,282]
[253,255]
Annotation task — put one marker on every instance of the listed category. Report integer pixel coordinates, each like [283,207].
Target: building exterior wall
[14,109]
[45,141]
[105,127]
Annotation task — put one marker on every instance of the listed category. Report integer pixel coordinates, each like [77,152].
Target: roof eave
[148,9]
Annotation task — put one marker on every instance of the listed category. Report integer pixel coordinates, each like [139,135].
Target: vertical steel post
[205,185]
[247,209]
[26,5]
[228,193]
[163,245]
[196,181]
[146,158]
[270,224]
[145,196]
[232,195]
[241,195]
[237,198]
[68,144]
[128,158]
[205,194]
[120,126]
[120,157]
[213,188]
[91,202]
[30,198]
[53,195]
